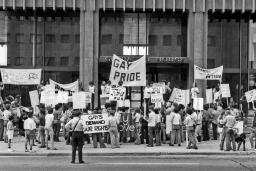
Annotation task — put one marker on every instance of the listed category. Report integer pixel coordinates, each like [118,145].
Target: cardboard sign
[127,103]
[48,96]
[216,96]
[180,96]
[117,94]
[62,97]
[158,105]
[209,96]
[21,76]
[157,98]
[225,90]
[131,73]
[158,88]
[208,74]
[250,95]
[34,98]
[95,123]
[198,104]
[79,100]
[239,127]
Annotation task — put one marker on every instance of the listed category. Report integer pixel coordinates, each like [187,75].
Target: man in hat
[77,127]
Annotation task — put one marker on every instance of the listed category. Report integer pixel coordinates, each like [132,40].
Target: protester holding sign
[194,92]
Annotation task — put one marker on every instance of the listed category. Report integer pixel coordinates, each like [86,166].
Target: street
[135,163]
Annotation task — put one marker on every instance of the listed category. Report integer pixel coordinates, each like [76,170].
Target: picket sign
[34,98]
[198,104]
[209,96]
[250,95]
[96,123]
[157,98]
[180,96]
[62,97]
[117,94]
[80,99]
[48,96]
[225,90]
[158,88]
[239,127]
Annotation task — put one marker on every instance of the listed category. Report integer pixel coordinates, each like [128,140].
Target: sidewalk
[205,148]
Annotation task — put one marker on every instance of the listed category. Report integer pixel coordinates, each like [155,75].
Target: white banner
[71,86]
[225,90]
[157,98]
[34,98]
[208,74]
[209,96]
[131,73]
[21,76]
[95,123]
[117,94]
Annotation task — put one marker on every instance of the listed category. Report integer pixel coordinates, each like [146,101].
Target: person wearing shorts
[10,132]
[49,129]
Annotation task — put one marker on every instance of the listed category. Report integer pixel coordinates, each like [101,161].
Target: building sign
[174,60]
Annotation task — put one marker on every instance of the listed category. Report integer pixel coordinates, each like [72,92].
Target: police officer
[77,127]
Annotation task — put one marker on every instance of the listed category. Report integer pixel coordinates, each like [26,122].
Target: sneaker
[26,150]
[72,162]
[81,162]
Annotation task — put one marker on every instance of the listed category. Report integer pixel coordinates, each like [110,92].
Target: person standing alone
[77,128]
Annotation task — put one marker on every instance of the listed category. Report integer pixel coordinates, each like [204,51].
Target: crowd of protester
[172,123]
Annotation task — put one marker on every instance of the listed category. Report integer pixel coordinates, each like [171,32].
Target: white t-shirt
[103,89]
[7,114]
[194,92]
[29,124]
[152,119]
[49,120]
[176,119]
[137,117]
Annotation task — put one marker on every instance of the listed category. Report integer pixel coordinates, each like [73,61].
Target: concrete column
[197,43]
[89,40]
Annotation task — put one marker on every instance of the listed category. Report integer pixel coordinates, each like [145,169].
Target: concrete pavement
[128,163]
[205,148]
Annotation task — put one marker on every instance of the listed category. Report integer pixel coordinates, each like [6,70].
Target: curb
[188,154]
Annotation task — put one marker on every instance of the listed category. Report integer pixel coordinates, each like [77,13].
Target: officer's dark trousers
[77,143]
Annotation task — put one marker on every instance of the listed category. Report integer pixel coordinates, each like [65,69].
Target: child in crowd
[10,132]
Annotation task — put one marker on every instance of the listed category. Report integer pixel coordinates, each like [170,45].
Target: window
[65,38]
[19,38]
[167,40]
[212,41]
[152,40]
[19,61]
[50,38]
[76,61]
[50,61]
[106,39]
[38,38]
[63,61]
[77,38]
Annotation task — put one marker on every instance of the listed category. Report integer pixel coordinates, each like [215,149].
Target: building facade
[75,39]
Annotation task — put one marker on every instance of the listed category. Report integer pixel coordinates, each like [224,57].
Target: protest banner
[158,87]
[96,123]
[208,74]
[71,86]
[79,100]
[209,96]
[130,73]
[225,90]
[62,97]
[34,98]
[198,104]
[117,94]
[21,76]
[157,98]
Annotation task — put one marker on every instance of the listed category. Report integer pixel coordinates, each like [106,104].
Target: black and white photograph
[128,85]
